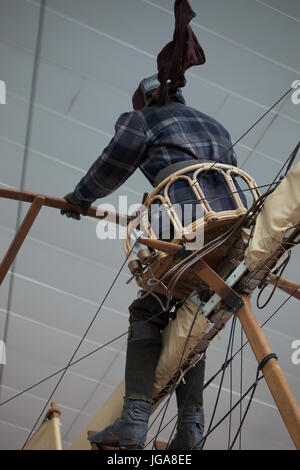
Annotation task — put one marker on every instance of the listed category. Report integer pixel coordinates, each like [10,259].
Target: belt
[170,169]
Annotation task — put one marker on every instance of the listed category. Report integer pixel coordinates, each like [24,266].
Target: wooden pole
[20,236]
[62,204]
[276,381]
[289,287]
[48,436]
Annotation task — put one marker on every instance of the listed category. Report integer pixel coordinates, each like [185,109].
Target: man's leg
[144,345]
[190,393]
[190,424]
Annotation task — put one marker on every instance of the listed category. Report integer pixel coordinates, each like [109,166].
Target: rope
[178,368]
[293,157]
[230,388]
[261,365]
[231,336]
[281,270]
[78,346]
[252,388]
[241,387]
[226,364]
[243,135]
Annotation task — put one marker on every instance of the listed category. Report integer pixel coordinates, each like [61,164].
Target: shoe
[130,430]
[190,427]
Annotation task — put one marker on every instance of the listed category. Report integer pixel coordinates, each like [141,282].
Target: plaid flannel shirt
[153,138]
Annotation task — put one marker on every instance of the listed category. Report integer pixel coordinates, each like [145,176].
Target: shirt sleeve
[119,160]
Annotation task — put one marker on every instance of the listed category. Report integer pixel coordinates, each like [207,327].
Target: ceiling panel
[289,7]
[14,436]
[245,73]
[242,79]
[62,311]
[54,267]
[24,30]
[227,19]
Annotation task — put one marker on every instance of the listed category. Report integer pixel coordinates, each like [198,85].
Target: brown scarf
[175,58]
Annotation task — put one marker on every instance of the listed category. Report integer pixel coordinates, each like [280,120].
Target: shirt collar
[177,97]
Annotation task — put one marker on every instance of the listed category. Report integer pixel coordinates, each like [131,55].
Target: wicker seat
[149,265]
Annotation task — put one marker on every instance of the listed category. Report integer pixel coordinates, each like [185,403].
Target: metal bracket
[234,277]
[233,302]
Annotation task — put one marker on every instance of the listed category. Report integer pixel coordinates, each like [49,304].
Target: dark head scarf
[175,58]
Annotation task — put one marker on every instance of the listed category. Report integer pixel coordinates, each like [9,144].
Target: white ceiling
[93,55]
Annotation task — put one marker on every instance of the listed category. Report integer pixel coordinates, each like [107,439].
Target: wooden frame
[37,201]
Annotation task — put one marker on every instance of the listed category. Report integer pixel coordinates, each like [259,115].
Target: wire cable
[226,364]
[233,325]
[242,136]
[178,368]
[78,346]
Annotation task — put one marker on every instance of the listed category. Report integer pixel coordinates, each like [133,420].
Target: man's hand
[72,214]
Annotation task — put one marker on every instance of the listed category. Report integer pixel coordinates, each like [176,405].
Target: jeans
[143,350]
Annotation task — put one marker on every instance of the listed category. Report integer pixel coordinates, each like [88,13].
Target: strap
[170,169]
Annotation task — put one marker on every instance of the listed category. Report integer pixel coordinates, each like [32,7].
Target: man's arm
[118,161]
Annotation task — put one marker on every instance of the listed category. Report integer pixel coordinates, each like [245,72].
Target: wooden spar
[289,287]
[37,201]
[54,412]
[167,247]
[48,436]
[62,204]
[20,236]
[276,381]
[213,280]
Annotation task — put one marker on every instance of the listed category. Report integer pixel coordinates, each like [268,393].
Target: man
[160,136]
[155,138]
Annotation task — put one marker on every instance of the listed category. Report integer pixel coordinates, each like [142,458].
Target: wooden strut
[20,236]
[289,287]
[62,204]
[283,396]
[170,248]
[37,201]
[276,381]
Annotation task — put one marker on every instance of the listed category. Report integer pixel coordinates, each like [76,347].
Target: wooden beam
[20,236]
[206,274]
[289,287]
[276,381]
[62,204]
[166,247]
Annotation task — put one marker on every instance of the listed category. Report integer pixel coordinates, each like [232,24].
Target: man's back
[176,132]
[155,139]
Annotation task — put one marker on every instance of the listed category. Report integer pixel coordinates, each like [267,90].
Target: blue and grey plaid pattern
[153,138]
